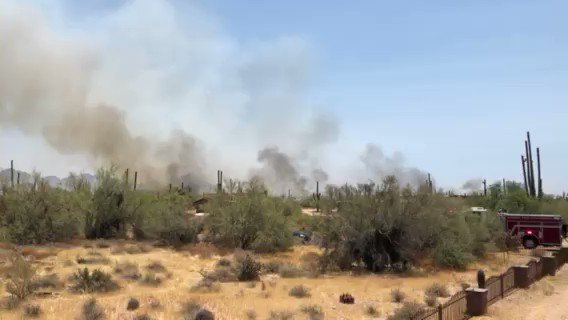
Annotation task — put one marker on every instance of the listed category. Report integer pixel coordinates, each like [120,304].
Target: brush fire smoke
[112,92]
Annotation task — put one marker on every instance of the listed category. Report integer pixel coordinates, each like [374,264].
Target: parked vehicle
[535,229]
[305,236]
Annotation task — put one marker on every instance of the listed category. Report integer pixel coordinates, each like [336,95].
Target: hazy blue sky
[452,85]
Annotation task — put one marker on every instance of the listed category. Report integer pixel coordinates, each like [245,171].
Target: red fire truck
[535,229]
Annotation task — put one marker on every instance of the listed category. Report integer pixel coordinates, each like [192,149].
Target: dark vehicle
[305,236]
[535,229]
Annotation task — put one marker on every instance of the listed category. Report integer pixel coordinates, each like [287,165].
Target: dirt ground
[235,299]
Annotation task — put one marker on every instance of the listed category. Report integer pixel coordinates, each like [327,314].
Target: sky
[453,86]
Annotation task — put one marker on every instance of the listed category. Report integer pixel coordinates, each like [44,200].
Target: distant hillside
[53,181]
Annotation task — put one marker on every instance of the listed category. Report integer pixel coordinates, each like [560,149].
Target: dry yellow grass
[234,299]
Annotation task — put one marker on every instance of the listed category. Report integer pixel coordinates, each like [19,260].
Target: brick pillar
[476,301]
[563,255]
[549,265]
[521,276]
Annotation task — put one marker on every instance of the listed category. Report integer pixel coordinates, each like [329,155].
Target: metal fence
[498,287]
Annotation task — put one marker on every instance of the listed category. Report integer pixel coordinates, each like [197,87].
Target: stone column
[549,265]
[521,276]
[476,301]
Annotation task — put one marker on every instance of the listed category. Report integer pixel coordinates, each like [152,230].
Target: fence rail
[498,287]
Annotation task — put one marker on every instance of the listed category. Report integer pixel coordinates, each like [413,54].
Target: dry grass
[206,286]
[299,291]
[92,311]
[32,310]
[437,290]
[397,295]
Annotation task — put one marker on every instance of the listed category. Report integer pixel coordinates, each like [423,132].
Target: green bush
[20,277]
[85,281]
[37,213]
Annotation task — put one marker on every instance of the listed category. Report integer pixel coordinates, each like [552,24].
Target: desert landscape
[180,274]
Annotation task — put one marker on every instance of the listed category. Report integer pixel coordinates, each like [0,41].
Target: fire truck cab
[535,229]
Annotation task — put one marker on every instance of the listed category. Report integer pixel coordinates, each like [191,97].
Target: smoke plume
[378,166]
[473,184]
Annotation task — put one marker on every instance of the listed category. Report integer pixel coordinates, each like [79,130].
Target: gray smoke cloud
[378,166]
[95,100]
[473,184]
[279,172]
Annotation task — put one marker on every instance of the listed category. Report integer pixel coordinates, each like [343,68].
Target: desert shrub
[250,314]
[450,253]
[20,276]
[102,244]
[224,262]
[93,259]
[194,311]
[132,304]
[127,270]
[137,248]
[299,291]
[151,279]
[85,281]
[272,266]
[430,301]
[313,311]
[143,316]
[407,311]
[50,281]
[397,295]
[156,266]
[108,216]
[154,303]
[32,310]
[437,290]
[251,221]
[281,315]
[92,311]
[288,270]
[9,303]
[247,268]
[206,286]
[371,311]
[37,213]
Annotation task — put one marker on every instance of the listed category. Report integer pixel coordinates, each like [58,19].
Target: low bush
[437,290]
[247,268]
[194,311]
[32,310]
[9,303]
[156,266]
[299,291]
[464,285]
[50,281]
[127,270]
[250,314]
[272,266]
[407,311]
[132,304]
[281,315]
[151,279]
[20,276]
[224,262]
[206,286]
[220,274]
[85,281]
[92,311]
[290,271]
[431,301]
[397,295]
[313,311]
[372,311]
[143,316]
[92,259]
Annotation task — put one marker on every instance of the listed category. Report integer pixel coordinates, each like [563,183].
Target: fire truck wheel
[530,242]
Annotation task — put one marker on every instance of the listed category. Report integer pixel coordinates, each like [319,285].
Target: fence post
[521,276]
[549,265]
[476,301]
[440,309]
[502,278]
